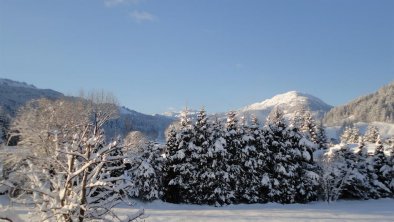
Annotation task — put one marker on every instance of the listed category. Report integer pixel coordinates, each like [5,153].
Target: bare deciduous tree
[39,120]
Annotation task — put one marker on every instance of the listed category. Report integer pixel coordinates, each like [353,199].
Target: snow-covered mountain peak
[290,102]
[288,99]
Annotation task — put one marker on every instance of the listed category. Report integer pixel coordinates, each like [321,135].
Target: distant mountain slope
[152,126]
[290,103]
[14,94]
[375,107]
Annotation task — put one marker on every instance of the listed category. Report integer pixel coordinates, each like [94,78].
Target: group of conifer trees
[211,162]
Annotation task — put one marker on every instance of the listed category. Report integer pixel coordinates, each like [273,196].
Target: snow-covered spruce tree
[264,160]
[309,127]
[356,186]
[350,135]
[322,137]
[371,135]
[346,134]
[179,170]
[355,136]
[298,119]
[252,162]
[281,165]
[335,173]
[382,170]
[359,186]
[217,190]
[306,178]
[233,136]
[201,156]
[146,166]
[171,192]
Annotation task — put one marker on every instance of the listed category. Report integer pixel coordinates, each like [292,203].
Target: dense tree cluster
[206,160]
[214,162]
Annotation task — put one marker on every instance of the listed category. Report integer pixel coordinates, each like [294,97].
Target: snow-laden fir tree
[356,185]
[305,168]
[335,173]
[371,135]
[252,162]
[309,127]
[216,175]
[146,166]
[261,174]
[321,137]
[359,186]
[201,145]
[171,192]
[282,169]
[298,118]
[180,175]
[350,135]
[233,137]
[382,170]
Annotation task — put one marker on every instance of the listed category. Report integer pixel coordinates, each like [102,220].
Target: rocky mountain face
[375,107]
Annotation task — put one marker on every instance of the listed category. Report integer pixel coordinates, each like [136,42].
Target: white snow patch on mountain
[290,102]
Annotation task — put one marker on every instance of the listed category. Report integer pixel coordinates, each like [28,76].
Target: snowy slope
[290,103]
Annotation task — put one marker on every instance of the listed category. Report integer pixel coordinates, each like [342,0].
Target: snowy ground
[371,210]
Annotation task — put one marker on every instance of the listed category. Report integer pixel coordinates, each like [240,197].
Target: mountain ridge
[14,94]
[374,107]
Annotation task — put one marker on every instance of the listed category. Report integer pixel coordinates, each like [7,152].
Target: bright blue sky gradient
[157,55]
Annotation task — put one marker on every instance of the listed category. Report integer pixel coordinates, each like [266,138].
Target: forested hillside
[378,107]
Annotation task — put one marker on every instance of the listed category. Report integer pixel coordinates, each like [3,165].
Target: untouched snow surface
[370,210]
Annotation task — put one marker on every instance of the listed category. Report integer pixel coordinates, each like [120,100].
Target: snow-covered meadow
[370,210]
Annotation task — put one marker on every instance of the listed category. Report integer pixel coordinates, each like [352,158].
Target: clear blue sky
[155,55]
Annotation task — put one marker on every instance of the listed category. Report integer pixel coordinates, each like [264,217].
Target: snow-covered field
[371,210]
